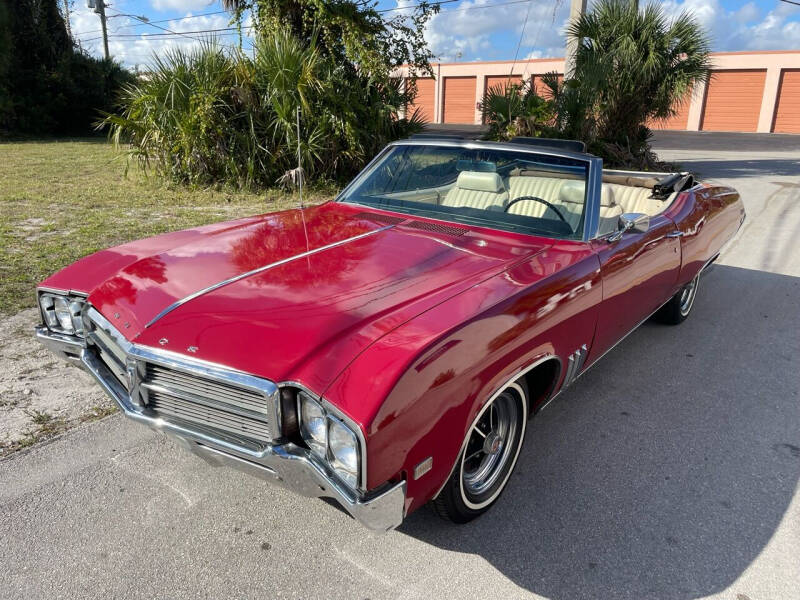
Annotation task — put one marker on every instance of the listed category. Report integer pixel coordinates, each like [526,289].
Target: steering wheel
[536,199]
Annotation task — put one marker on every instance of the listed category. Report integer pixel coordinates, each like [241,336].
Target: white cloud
[744,28]
[133,51]
[468,28]
[469,32]
[180,5]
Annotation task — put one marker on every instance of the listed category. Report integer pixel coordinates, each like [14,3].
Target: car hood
[298,295]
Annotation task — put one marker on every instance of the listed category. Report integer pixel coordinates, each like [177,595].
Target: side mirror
[636,222]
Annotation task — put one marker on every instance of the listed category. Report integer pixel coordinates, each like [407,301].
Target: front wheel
[680,305]
[487,457]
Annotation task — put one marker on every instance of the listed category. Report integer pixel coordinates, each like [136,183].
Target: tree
[47,86]
[351,32]
[632,66]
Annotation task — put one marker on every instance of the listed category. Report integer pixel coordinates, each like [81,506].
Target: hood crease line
[261,269]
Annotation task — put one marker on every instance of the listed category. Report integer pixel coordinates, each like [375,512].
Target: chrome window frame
[594,176]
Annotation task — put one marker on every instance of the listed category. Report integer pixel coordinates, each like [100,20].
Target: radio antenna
[300,177]
[299,159]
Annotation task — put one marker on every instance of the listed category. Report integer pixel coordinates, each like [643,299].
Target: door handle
[675,234]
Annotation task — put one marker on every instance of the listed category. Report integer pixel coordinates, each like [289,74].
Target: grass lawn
[61,200]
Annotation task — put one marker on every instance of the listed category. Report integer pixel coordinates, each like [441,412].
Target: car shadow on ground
[665,470]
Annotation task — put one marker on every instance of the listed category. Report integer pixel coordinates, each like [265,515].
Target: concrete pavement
[669,470]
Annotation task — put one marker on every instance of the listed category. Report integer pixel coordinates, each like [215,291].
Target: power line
[384,10]
[130,37]
[143,20]
[482,6]
[179,33]
[521,35]
[143,23]
[791,2]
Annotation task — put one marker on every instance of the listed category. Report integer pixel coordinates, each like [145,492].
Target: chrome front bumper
[287,465]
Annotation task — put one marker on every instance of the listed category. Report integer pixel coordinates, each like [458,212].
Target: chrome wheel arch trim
[524,401]
[511,380]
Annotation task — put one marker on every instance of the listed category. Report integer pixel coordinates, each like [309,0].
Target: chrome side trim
[241,276]
[575,364]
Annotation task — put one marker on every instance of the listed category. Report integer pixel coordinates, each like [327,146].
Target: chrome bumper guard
[287,465]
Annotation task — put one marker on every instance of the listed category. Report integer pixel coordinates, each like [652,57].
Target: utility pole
[99,7]
[576,10]
[66,18]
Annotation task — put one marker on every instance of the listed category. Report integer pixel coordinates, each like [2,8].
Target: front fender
[417,389]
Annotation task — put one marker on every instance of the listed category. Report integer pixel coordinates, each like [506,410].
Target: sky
[464,30]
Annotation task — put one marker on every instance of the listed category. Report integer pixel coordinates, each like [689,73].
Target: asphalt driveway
[669,470]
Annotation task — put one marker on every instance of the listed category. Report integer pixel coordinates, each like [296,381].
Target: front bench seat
[571,197]
[570,202]
[476,189]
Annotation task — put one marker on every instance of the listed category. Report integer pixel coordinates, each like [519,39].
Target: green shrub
[515,109]
[210,115]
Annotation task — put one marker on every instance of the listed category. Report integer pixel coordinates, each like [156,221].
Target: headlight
[343,451]
[313,427]
[62,314]
[330,439]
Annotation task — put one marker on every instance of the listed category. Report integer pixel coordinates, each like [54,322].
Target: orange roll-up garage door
[501,81]
[424,100]
[459,99]
[733,100]
[493,82]
[541,89]
[681,118]
[787,114]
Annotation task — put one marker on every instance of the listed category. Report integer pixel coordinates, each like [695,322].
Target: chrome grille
[213,405]
[211,399]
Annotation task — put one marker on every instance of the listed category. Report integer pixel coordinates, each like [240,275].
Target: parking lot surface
[669,470]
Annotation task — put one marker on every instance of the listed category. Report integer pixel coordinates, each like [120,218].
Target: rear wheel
[680,305]
[487,458]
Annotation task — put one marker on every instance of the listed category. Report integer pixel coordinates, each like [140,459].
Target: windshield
[504,189]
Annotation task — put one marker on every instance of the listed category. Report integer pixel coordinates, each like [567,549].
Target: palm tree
[633,66]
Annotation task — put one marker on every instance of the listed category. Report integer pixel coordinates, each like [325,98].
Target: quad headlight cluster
[329,438]
[63,314]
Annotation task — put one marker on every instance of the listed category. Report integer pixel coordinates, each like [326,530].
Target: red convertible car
[389,347]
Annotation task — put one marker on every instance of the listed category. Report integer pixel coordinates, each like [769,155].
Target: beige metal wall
[750,91]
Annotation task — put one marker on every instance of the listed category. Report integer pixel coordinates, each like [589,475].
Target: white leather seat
[569,200]
[546,188]
[635,199]
[476,189]
[572,198]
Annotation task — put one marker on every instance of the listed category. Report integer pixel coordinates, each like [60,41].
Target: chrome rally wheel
[487,458]
[687,296]
[677,309]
